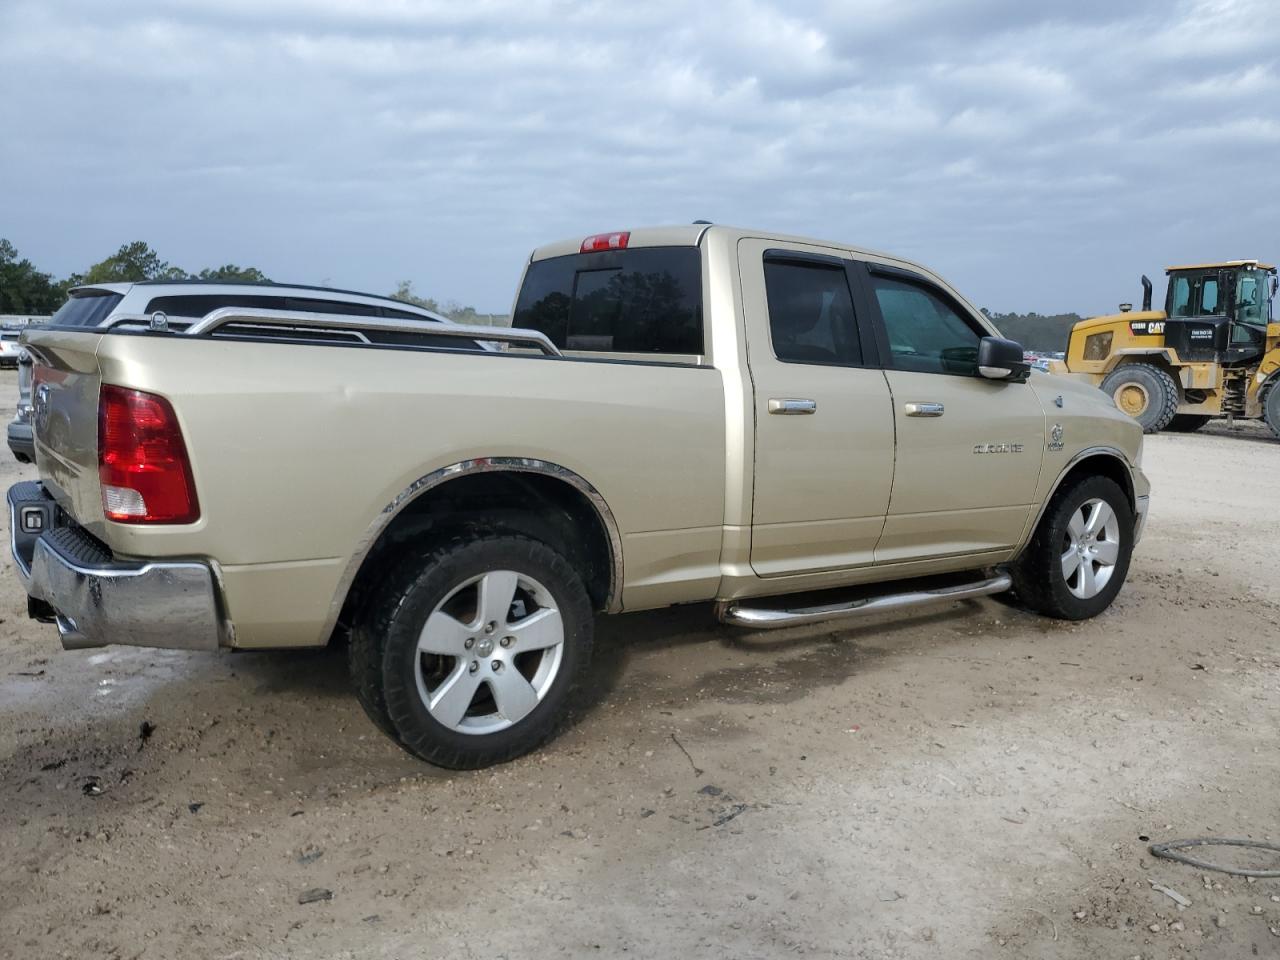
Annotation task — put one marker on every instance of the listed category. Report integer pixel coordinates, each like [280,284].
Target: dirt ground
[972,782]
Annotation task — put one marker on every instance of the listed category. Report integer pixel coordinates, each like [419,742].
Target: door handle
[924,409]
[792,407]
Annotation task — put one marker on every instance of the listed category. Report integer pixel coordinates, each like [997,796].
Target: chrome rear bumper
[97,600]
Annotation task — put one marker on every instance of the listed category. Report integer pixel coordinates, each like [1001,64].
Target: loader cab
[1218,312]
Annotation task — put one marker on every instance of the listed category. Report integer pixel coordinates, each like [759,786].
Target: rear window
[85,310]
[646,300]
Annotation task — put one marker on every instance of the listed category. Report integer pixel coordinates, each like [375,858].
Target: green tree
[455,311]
[1035,331]
[23,288]
[230,271]
[131,263]
[404,293]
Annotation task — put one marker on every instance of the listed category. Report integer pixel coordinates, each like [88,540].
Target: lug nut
[490,627]
[507,641]
[475,665]
[469,642]
[497,666]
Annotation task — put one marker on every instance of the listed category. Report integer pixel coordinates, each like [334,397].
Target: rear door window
[811,313]
[85,309]
[645,300]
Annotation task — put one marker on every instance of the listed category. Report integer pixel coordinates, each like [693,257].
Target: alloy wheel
[489,652]
[1091,548]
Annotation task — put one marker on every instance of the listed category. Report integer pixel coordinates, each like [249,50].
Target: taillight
[142,460]
[606,241]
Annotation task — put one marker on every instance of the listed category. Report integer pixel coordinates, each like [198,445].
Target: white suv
[183,302]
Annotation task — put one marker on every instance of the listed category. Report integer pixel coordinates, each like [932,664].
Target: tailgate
[64,396]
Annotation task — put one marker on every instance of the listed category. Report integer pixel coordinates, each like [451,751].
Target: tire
[1040,578]
[1146,393]
[482,702]
[1271,407]
[1187,422]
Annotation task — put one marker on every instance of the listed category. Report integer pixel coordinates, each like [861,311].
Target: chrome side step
[734,613]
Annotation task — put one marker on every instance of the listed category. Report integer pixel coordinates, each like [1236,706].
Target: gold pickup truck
[792,429]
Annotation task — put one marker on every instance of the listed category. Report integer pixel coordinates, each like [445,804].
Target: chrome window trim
[613,601]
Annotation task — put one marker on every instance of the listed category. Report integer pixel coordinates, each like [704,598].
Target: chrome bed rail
[299,320]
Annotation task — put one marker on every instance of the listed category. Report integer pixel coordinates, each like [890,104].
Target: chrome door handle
[791,407]
[924,409]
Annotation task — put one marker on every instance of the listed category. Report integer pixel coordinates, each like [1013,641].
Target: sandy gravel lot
[973,782]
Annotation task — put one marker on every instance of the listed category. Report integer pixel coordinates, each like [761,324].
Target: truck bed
[297,447]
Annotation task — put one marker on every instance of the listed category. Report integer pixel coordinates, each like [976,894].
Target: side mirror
[1000,359]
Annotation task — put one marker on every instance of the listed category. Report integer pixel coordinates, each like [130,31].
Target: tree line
[1043,334]
[25,289]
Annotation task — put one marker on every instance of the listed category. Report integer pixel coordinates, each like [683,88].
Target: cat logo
[1146,328]
[998,448]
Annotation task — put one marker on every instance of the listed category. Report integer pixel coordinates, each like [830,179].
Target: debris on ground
[1172,894]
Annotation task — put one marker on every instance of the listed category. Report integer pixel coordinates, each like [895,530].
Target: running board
[735,614]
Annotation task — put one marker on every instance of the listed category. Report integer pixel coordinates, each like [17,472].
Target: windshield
[1253,297]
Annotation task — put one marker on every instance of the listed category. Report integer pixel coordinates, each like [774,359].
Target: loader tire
[1271,407]
[1187,422]
[1144,392]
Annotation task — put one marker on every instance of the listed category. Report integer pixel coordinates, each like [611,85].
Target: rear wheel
[1078,557]
[468,655]
[1146,393]
[1271,406]
[1187,422]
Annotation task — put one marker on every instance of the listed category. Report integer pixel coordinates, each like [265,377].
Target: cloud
[1040,155]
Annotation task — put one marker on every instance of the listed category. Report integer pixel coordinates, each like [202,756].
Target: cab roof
[691,235]
[1222,263]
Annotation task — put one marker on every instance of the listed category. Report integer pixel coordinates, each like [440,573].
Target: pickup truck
[794,430]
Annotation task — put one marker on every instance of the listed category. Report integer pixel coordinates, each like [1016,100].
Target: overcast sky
[1040,155]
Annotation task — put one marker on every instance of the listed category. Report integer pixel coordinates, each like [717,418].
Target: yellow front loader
[1213,351]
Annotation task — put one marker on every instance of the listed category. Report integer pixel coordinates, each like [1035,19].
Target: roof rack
[267,284]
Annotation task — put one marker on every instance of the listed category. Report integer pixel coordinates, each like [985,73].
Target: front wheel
[470,652]
[1078,557]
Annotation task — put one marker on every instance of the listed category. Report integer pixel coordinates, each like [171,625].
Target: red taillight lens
[606,241]
[142,460]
